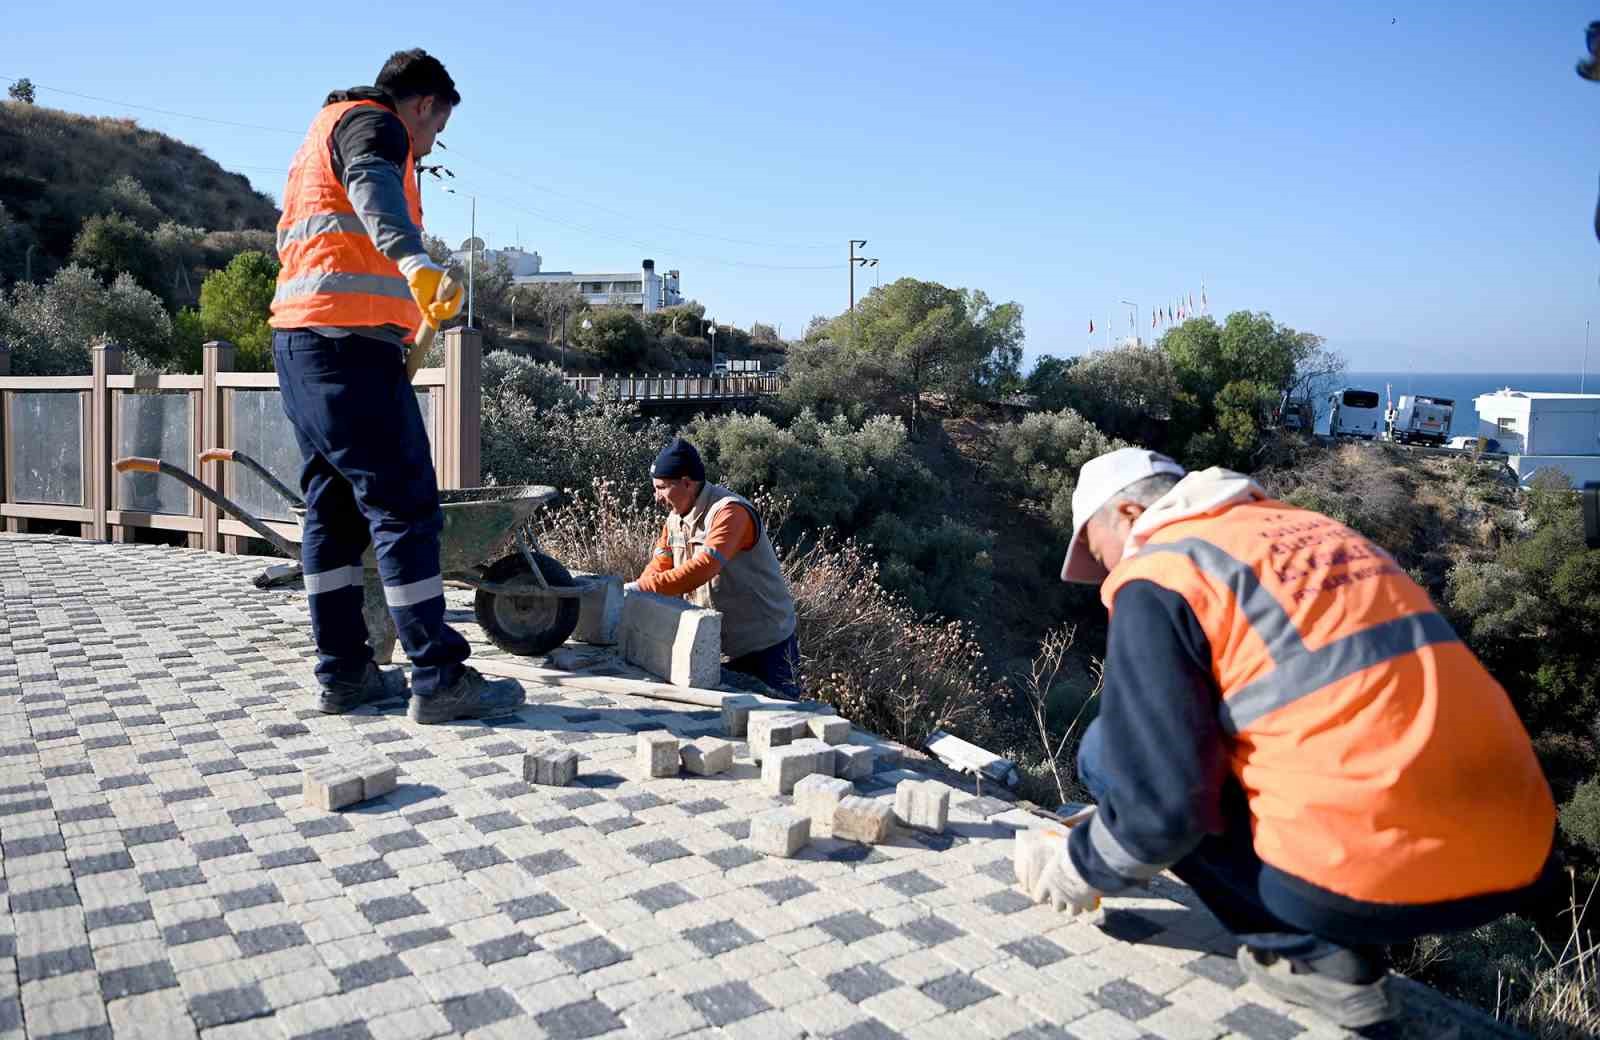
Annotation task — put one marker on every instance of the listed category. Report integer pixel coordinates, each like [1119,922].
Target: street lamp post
[1135,307]
[711,327]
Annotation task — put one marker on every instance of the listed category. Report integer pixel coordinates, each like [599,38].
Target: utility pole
[1134,319]
[472,256]
[1583,377]
[854,242]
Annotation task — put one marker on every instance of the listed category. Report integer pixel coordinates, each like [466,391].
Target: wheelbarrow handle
[139,464]
[235,455]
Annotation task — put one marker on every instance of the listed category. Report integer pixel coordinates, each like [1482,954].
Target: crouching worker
[1292,728]
[715,550]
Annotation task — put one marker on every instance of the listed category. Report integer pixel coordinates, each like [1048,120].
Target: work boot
[1345,988]
[472,697]
[339,696]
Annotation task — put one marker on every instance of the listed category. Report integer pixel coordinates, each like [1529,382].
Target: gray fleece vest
[757,610]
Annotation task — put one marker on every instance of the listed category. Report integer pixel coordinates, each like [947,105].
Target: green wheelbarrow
[526,601]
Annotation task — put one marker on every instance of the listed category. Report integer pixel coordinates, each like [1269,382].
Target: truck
[1421,419]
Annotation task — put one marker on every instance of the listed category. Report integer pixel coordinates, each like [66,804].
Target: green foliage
[1039,458]
[834,474]
[828,380]
[615,334]
[1531,613]
[764,335]
[1230,377]
[946,567]
[127,196]
[235,304]
[685,319]
[919,338]
[21,90]
[50,327]
[111,244]
[537,431]
[1129,392]
[1580,817]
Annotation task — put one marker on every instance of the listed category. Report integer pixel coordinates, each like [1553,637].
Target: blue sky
[1413,181]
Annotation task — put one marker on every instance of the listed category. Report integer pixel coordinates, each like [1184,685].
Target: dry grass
[1557,995]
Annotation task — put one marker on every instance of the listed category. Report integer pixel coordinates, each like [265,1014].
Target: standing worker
[715,549]
[1291,727]
[354,284]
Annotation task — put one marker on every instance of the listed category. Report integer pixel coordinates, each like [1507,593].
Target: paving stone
[585,1018]
[829,728]
[555,767]
[477,1010]
[657,754]
[736,715]
[728,1003]
[768,730]
[931,931]
[591,954]
[1036,951]
[496,950]
[783,767]
[228,1006]
[924,805]
[818,797]
[861,982]
[779,832]
[1258,1023]
[662,897]
[852,762]
[956,991]
[719,937]
[707,756]
[864,820]
[850,927]
[912,883]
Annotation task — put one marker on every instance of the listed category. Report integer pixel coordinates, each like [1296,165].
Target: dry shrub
[602,532]
[864,651]
[1556,995]
[862,648]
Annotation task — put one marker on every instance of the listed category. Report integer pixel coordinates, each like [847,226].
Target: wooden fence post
[463,408]
[11,524]
[105,360]
[218,357]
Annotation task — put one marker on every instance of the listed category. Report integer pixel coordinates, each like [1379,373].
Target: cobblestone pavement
[161,876]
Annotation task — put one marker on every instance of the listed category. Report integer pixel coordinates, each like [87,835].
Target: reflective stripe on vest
[1297,670]
[332,274]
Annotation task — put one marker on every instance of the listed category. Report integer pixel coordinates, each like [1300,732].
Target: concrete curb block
[672,639]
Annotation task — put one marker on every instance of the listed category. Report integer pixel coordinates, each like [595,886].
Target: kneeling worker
[714,549]
[1292,728]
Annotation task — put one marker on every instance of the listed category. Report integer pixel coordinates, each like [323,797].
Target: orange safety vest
[1381,760]
[332,275]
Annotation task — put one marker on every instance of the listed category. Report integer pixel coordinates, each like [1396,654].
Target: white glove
[630,586]
[1046,873]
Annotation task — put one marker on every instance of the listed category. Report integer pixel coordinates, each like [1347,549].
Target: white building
[519,262]
[1541,430]
[644,289]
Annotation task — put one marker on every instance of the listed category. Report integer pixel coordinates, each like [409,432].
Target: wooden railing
[59,436]
[664,387]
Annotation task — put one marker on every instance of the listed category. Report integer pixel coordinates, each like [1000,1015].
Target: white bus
[1355,413]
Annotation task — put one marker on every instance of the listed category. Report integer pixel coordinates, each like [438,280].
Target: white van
[1355,413]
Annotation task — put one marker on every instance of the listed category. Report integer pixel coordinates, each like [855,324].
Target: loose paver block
[769,730]
[707,756]
[553,767]
[736,715]
[829,728]
[823,752]
[334,785]
[783,767]
[866,820]
[599,609]
[853,761]
[658,754]
[673,639]
[923,804]
[817,797]
[780,832]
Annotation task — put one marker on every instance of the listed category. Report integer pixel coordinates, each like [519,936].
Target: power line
[163,111]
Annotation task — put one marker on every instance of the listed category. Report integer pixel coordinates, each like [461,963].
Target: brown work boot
[338,697]
[1347,998]
[472,697]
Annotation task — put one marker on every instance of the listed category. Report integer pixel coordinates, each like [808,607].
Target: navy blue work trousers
[368,478]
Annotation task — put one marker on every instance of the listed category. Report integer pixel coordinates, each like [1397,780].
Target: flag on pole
[1091,326]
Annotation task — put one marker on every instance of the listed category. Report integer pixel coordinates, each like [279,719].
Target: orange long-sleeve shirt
[732,532]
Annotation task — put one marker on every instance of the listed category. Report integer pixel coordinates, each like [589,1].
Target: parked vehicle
[1295,413]
[1420,419]
[1355,413]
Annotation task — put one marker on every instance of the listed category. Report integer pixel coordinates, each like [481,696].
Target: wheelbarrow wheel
[526,625]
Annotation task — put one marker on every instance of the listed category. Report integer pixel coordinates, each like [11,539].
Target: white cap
[1099,482]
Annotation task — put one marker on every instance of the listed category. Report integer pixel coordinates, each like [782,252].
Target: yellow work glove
[1047,875]
[424,276]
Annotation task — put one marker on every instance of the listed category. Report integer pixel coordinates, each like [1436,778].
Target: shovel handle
[426,330]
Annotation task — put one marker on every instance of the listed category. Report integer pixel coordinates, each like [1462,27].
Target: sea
[1461,387]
